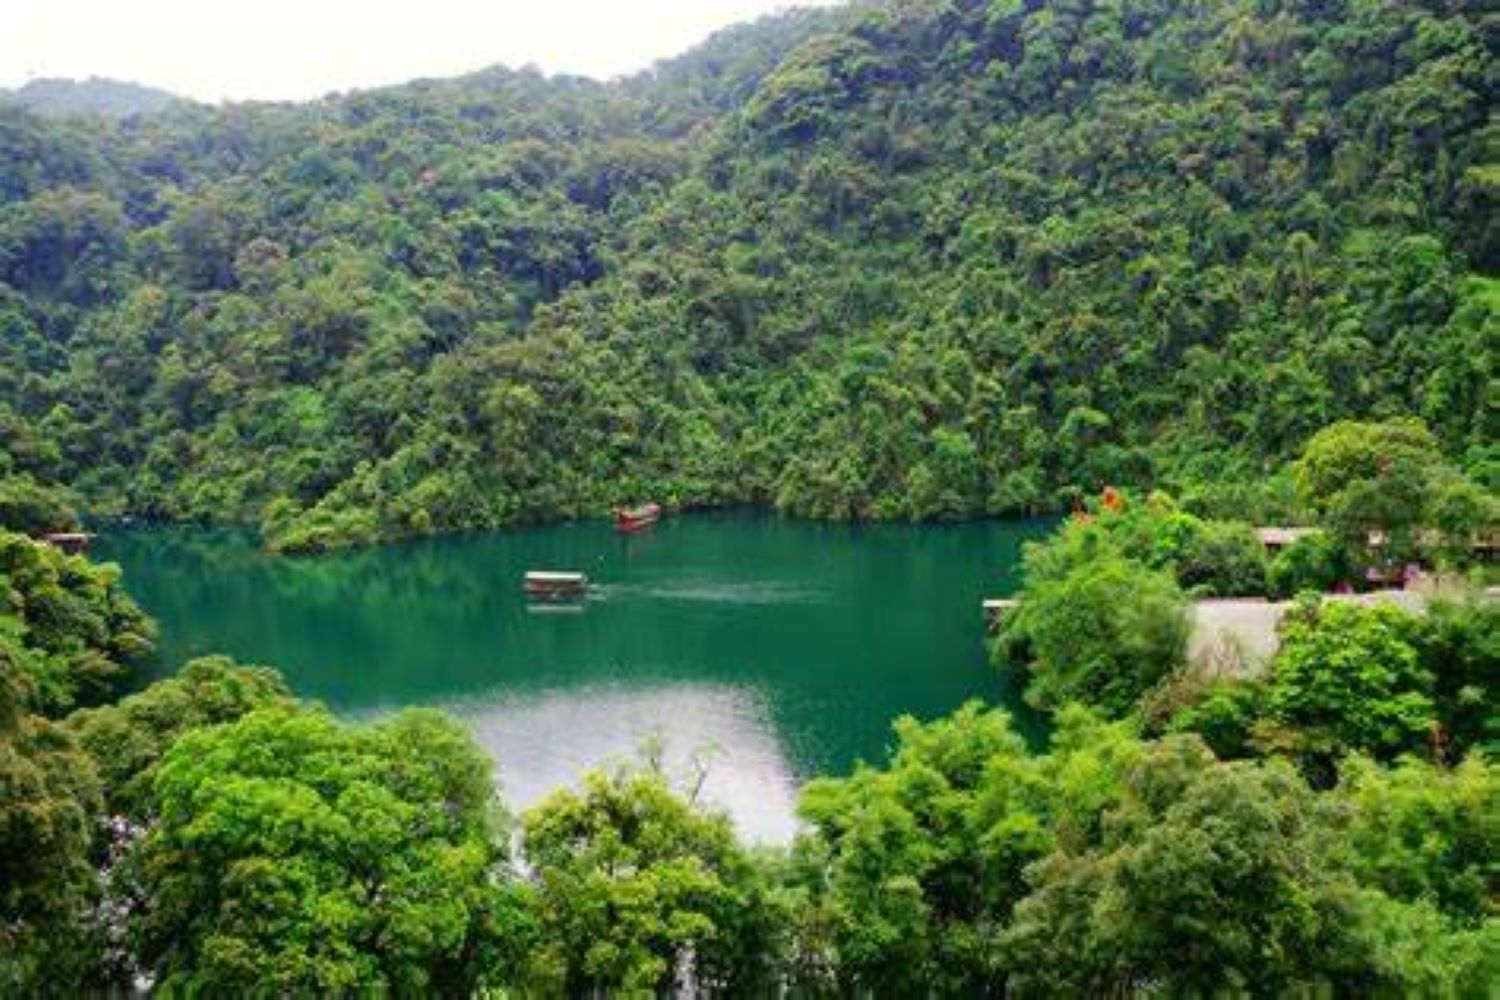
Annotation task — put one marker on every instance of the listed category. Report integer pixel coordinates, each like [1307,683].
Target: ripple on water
[769,592]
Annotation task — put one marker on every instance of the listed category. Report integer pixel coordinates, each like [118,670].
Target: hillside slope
[902,259]
[94,96]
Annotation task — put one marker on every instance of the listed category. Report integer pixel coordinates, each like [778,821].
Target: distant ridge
[94,96]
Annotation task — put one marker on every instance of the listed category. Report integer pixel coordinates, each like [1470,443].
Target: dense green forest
[1332,824]
[910,258]
[1234,259]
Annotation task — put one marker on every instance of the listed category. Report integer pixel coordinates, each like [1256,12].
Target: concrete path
[1238,637]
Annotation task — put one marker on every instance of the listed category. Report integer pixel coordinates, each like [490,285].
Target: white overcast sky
[292,49]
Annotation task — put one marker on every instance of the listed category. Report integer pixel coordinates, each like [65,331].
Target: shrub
[1103,633]
[1223,716]
[1314,562]
[1223,559]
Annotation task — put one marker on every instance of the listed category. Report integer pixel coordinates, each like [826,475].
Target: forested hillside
[913,258]
[94,96]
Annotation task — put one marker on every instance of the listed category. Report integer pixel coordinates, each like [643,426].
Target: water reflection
[793,644]
[545,741]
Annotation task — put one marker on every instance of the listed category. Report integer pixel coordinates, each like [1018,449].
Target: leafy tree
[1103,633]
[294,852]
[1316,562]
[49,794]
[1459,644]
[1223,559]
[1223,715]
[910,874]
[30,508]
[1208,878]
[637,887]
[1349,677]
[1420,832]
[907,869]
[1112,864]
[75,631]
[1384,484]
[129,739]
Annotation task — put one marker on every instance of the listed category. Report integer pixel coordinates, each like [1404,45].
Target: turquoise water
[764,649]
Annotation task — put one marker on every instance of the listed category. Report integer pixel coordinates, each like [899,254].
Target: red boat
[636,518]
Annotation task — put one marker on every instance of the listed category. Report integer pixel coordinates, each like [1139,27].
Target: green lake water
[773,649]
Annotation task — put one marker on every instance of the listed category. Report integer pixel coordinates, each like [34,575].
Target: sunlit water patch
[714,739]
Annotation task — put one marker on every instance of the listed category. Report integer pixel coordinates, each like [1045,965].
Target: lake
[765,649]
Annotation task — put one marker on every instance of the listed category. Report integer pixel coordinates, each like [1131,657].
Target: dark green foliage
[1315,562]
[1459,643]
[1207,871]
[49,794]
[66,624]
[1223,559]
[28,507]
[900,259]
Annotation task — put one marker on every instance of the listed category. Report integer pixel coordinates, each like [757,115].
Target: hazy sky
[287,49]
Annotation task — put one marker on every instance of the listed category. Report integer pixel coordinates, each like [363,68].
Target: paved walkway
[1238,637]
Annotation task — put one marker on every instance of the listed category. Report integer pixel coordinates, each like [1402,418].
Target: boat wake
[757,592]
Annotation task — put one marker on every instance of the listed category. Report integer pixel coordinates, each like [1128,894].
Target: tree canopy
[894,259]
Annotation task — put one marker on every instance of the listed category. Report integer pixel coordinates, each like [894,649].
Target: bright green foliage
[1222,715]
[1111,865]
[128,740]
[899,259]
[1396,948]
[1420,832]
[907,869]
[1208,558]
[66,623]
[633,883]
[912,872]
[293,853]
[1349,677]
[1390,480]
[49,795]
[1103,633]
